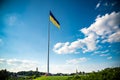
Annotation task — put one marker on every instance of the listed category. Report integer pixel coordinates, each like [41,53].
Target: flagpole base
[47,74]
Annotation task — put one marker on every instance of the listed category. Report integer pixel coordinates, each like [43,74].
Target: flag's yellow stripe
[54,22]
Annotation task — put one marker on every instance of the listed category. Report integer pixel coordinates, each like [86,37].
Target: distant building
[76,72]
[37,69]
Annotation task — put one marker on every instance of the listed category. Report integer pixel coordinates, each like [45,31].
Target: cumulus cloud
[104,26]
[18,65]
[67,47]
[77,61]
[63,48]
[115,37]
[86,44]
[104,29]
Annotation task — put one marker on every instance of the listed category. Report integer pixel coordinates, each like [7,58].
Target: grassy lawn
[52,78]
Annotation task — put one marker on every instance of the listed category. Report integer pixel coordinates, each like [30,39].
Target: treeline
[106,74]
[30,73]
[72,74]
[4,74]
[22,75]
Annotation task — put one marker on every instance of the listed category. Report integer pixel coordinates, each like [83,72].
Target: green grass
[52,78]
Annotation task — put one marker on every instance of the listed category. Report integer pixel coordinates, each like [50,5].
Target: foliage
[4,74]
[52,78]
[106,74]
[30,73]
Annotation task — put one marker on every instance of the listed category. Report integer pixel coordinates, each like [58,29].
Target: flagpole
[48,47]
[56,23]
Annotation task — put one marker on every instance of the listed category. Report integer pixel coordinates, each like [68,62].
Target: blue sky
[88,40]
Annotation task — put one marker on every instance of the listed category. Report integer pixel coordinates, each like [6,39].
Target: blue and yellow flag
[54,20]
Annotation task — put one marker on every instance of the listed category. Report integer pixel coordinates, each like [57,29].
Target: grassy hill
[52,78]
[106,74]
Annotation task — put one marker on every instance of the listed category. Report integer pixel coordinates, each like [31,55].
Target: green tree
[4,74]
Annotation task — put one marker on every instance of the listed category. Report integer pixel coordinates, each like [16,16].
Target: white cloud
[87,67]
[106,4]
[1,41]
[77,60]
[113,4]
[19,65]
[90,42]
[98,5]
[104,54]
[86,44]
[62,48]
[105,25]
[58,45]
[110,57]
[96,52]
[62,68]
[101,53]
[105,51]
[2,60]
[68,68]
[56,68]
[12,20]
[115,37]
[104,29]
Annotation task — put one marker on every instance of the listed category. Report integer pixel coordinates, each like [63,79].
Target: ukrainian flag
[54,20]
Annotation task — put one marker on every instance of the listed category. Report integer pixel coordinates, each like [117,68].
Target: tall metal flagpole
[48,47]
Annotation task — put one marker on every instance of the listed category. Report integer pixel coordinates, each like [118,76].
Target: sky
[88,39]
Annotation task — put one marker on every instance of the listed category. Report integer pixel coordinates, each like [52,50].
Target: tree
[4,74]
